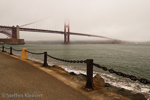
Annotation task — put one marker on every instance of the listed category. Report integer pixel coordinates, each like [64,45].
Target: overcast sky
[118,19]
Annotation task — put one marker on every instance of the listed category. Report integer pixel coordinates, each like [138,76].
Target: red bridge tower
[66,34]
[15,32]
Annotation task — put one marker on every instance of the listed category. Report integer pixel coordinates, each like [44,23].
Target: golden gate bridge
[13,32]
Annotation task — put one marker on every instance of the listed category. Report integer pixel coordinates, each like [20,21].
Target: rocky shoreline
[99,84]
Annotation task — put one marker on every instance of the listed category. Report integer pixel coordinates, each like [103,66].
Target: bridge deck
[53,31]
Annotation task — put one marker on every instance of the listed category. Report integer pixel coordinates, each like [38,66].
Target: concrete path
[22,81]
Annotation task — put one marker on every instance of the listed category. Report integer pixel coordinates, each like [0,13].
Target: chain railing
[3,49]
[132,77]
[45,56]
[34,53]
[90,64]
[69,61]
[16,50]
[6,48]
[9,49]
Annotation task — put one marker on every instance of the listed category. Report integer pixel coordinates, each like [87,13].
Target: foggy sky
[118,19]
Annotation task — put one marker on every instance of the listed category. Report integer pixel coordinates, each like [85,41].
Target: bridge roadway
[20,81]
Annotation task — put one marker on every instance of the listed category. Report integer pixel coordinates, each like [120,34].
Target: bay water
[132,59]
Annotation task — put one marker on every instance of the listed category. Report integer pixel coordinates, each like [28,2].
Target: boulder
[98,80]
[82,76]
[138,96]
[72,73]
[107,85]
[132,96]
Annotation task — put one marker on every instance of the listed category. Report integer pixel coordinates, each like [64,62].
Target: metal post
[89,82]
[10,51]
[2,48]
[45,59]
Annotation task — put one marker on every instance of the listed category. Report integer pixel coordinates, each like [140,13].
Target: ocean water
[133,59]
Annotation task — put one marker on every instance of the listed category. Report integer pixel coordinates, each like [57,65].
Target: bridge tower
[66,34]
[15,32]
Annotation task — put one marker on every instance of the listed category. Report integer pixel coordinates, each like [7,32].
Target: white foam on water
[17,54]
[70,69]
[128,84]
[120,82]
[32,58]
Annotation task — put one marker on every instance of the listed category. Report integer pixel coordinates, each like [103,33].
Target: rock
[130,95]
[107,85]
[72,73]
[98,80]
[138,96]
[123,92]
[56,66]
[112,89]
[82,76]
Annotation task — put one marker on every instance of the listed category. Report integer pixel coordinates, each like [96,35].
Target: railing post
[45,59]
[10,51]
[2,48]
[89,80]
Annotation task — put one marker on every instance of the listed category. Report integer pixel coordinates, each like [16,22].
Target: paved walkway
[22,81]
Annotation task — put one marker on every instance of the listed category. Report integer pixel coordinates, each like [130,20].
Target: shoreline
[113,81]
[78,81]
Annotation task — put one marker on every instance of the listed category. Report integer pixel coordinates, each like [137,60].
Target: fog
[119,19]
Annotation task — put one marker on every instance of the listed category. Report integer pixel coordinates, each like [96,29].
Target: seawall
[12,41]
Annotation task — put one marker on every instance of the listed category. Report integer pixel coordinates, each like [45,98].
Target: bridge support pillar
[66,34]
[15,32]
